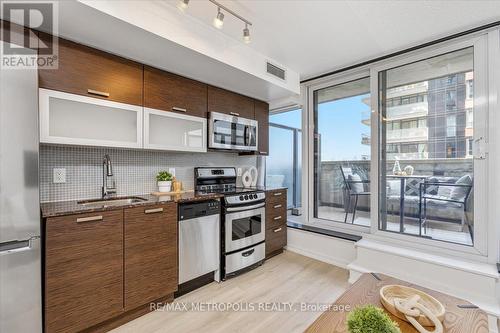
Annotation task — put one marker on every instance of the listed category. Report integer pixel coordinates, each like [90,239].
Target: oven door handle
[241,209]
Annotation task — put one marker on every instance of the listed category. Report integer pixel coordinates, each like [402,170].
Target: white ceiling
[313,37]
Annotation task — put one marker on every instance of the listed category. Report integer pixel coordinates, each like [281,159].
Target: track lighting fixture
[182,5]
[219,19]
[246,34]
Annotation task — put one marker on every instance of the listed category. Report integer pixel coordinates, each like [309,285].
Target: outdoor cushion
[355,187]
[459,192]
[445,191]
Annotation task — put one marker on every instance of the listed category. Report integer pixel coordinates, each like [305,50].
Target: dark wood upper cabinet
[150,253]
[224,101]
[86,71]
[262,116]
[170,92]
[83,270]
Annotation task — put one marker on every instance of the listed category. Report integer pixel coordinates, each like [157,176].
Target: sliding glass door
[342,152]
[427,133]
[400,147]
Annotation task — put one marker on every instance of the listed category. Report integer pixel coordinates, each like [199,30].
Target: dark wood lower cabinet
[103,269]
[150,253]
[276,216]
[83,270]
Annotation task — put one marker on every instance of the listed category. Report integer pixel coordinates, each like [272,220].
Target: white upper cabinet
[165,130]
[79,120]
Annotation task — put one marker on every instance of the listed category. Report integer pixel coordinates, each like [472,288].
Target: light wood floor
[288,277]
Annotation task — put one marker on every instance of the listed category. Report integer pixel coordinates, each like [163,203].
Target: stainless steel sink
[111,202]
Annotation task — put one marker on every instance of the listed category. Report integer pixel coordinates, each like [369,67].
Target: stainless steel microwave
[232,132]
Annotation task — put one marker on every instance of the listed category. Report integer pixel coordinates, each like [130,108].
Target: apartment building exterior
[429,119]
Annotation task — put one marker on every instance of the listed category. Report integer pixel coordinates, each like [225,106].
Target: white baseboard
[331,250]
[329,260]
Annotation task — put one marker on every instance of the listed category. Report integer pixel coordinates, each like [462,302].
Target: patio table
[403,179]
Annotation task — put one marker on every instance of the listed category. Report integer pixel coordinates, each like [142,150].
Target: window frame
[479,43]
[486,241]
[295,179]
[340,226]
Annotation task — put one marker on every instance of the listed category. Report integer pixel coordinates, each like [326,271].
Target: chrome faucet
[107,171]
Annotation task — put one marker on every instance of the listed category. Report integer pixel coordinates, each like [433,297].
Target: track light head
[182,5]
[246,34]
[219,19]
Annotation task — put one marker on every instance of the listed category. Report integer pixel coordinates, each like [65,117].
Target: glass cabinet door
[73,119]
[166,130]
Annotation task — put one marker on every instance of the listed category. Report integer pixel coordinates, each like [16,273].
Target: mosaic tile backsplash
[134,170]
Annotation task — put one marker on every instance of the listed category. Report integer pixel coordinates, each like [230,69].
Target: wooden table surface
[461,316]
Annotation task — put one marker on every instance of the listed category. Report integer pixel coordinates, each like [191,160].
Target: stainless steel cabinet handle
[234,113]
[262,152]
[154,210]
[98,93]
[277,230]
[278,206]
[277,218]
[278,194]
[89,219]
[175,108]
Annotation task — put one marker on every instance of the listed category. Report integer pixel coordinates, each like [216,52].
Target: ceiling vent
[280,73]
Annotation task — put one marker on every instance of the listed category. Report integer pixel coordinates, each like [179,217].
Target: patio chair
[457,196]
[354,186]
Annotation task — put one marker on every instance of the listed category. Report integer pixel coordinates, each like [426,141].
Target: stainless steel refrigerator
[20,250]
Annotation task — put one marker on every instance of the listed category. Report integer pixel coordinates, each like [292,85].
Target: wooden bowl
[389,292]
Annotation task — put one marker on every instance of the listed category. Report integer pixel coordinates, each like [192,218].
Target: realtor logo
[21,47]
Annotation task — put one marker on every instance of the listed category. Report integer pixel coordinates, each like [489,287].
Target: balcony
[408,135]
[444,220]
[406,111]
[409,89]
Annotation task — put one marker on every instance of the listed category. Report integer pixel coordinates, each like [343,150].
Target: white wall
[328,249]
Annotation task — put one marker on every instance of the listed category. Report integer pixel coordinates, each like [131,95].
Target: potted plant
[164,179]
[370,318]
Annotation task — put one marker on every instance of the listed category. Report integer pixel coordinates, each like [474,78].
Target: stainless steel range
[243,219]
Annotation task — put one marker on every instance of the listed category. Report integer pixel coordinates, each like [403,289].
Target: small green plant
[164,176]
[370,319]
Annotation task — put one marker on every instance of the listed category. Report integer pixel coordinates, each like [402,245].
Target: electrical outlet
[172,171]
[58,175]
[239,172]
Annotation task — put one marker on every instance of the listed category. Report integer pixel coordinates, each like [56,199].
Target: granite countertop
[61,208]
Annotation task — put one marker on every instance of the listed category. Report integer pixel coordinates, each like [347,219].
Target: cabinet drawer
[86,71]
[83,270]
[276,197]
[169,92]
[275,239]
[275,217]
[150,253]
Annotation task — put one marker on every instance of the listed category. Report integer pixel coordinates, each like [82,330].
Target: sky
[340,127]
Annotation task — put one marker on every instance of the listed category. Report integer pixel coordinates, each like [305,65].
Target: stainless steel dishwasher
[199,244]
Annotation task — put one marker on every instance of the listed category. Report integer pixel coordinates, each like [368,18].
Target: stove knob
[241,198]
[246,196]
[255,196]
